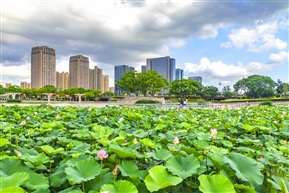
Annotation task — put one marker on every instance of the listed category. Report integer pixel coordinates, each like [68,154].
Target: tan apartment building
[79,72]
[105,83]
[43,66]
[24,85]
[62,80]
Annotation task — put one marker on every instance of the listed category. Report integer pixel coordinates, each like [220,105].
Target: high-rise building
[79,72]
[24,85]
[43,65]
[62,80]
[111,89]
[179,74]
[143,68]
[99,79]
[197,78]
[165,66]
[118,71]
[105,83]
[7,85]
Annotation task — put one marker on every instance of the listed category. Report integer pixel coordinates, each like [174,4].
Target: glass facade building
[118,71]
[179,74]
[165,66]
[197,78]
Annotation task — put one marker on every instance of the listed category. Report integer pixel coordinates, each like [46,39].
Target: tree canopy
[148,82]
[185,87]
[256,86]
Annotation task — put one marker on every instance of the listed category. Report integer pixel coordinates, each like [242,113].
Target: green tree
[2,89]
[48,89]
[210,91]
[227,92]
[14,88]
[279,87]
[256,86]
[130,82]
[151,82]
[185,87]
[285,88]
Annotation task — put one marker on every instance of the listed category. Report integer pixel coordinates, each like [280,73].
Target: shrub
[266,103]
[147,102]
[14,101]
[201,102]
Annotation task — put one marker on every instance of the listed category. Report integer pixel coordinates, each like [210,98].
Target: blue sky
[222,41]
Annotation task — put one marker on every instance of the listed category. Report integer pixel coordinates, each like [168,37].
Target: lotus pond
[128,150]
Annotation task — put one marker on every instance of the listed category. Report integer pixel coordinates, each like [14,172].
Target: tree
[147,82]
[256,86]
[279,87]
[185,87]
[2,89]
[151,82]
[129,82]
[227,92]
[48,89]
[210,91]
[14,88]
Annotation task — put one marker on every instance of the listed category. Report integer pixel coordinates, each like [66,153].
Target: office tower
[43,65]
[105,83]
[165,66]
[24,85]
[79,72]
[118,71]
[62,80]
[197,78]
[179,74]
[143,68]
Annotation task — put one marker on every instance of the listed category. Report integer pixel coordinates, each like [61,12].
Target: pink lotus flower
[23,122]
[121,120]
[214,133]
[35,113]
[176,140]
[114,171]
[57,116]
[102,154]
[106,192]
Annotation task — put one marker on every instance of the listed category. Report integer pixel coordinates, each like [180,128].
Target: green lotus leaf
[276,182]
[13,189]
[148,143]
[83,170]
[119,186]
[241,188]
[105,177]
[10,166]
[50,150]
[73,189]
[160,154]
[36,160]
[37,181]
[160,178]
[183,166]
[3,141]
[215,184]
[42,190]
[58,177]
[128,168]
[122,152]
[246,168]
[15,179]
[200,145]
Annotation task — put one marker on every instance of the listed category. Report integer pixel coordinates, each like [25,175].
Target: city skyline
[221,41]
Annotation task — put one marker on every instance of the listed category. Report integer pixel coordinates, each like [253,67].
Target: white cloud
[279,58]
[257,39]
[227,74]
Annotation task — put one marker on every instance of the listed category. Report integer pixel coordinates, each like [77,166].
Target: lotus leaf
[246,168]
[3,141]
[129,168]
[50,150]
[241,188]
[13,189]
[83,170]
[215,184]
[160,154]
[119,186]
[160,178]
[16,179]
[183,166]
